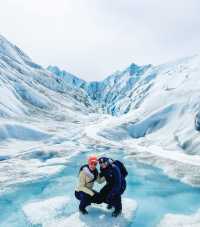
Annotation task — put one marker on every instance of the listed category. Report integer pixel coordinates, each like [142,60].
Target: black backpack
[122,168]
[94,172]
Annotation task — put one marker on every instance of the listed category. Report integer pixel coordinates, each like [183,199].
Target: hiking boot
[116,213]
[83,211]
[109,206]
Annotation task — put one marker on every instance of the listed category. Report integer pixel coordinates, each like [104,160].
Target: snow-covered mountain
[50,120]
[28,88]
[34,105]
[159,102]
[114,94]
[155,103]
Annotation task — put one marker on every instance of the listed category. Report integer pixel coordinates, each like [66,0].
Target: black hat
[103,160]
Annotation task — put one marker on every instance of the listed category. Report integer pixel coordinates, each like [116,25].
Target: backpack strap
[95,174]
[92,174]
[82,167]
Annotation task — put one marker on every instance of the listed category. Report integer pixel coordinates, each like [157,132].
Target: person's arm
[82,184]
[117,180]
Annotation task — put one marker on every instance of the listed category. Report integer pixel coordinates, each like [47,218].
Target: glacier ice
[51,120]
[52,212]
[176,220]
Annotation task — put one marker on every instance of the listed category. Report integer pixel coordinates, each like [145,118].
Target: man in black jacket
[115,185]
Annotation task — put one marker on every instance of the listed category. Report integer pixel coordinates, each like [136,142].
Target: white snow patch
[99,216]
[43,212]
[48,213]
[180,220]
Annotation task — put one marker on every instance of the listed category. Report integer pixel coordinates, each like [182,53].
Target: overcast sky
[93,38]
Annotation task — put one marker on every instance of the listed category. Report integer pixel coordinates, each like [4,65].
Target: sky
[94,38]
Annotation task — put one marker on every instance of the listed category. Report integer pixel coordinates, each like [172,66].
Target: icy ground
[51,121]
[39,190]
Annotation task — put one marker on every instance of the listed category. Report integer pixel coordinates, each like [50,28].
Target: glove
[95,192]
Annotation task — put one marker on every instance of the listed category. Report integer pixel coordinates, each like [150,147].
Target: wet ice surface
[38,178]
[51,202]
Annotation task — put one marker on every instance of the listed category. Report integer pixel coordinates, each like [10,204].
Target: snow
[164,103]
[43,212]
[9,105]
[21,132]
[51,212]
[33,97]
[109,92]
[175,163]
[63,75]
[178,220]
[13,52]
[51,121]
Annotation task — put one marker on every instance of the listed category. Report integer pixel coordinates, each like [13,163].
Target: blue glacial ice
[49,202]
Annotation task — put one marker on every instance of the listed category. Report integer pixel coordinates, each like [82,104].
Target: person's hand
[95,192]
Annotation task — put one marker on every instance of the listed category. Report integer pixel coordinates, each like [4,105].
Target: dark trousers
[85,199]
[115,200]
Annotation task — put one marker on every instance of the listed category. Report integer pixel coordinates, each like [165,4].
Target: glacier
[51,121]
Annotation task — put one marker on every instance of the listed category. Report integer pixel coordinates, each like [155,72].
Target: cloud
[93,38]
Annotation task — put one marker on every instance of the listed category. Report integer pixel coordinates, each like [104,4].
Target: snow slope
[159,102]
[33,105]
[28,88]
[163,125]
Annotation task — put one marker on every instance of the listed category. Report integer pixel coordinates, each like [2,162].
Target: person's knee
[85,201]
[83,197]
[86,198]
[77,195]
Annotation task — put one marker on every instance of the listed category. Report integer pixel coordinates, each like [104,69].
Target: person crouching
[115,185]
[84,192]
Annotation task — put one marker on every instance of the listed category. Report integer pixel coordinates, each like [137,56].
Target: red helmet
[92,160]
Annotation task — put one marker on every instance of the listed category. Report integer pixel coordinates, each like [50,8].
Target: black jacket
[114,178]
